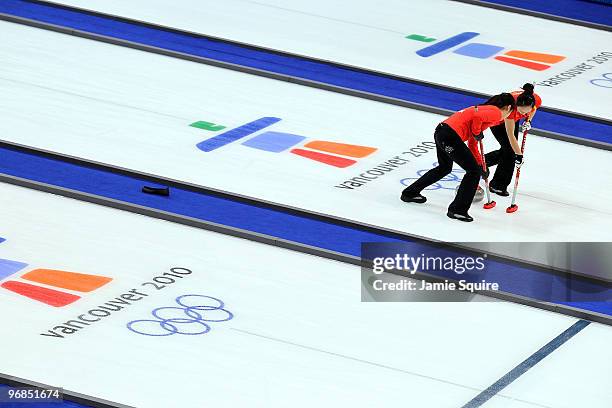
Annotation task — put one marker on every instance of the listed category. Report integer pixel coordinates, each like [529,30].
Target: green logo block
[207,126]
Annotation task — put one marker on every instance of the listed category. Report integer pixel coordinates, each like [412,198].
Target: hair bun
[528,88]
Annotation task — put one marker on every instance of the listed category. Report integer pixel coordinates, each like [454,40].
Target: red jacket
[473,121]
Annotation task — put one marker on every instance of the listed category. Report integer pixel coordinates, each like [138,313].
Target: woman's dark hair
[526,98]
[501,100]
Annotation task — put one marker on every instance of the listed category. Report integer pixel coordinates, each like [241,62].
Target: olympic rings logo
[190,318]
[451,178]
[607,79]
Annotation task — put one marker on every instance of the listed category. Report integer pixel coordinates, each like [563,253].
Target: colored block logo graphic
[526,59]
[78,282]
[330,153]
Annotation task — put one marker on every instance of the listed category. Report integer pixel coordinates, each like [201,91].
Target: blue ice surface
[592,12]
[515,278]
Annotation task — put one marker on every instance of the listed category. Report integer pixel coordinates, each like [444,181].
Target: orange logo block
[73,281]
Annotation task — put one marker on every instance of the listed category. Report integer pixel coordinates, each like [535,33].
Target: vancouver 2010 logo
[536,61]
[331,153]
[190,317]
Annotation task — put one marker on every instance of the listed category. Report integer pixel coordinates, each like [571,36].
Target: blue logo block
[275,142]
[8,268]
[446,44]
[477,50]
[235,134]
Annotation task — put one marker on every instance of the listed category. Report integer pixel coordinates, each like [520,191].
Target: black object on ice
[162,191]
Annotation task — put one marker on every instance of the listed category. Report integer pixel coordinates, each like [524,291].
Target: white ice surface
[132,109]
[370,34]
[300,333]
[587,356]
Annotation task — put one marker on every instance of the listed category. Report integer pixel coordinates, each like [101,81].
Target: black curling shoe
[503,193]
[460,217]
[413,198]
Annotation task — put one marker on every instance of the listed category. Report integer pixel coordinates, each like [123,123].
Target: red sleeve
[473,146]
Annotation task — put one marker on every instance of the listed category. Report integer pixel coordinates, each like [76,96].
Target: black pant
[502,157]
[450,148]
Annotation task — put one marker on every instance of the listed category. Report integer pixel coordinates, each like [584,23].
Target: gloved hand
[479,137]
[518,160]
[485,173]
[526,126]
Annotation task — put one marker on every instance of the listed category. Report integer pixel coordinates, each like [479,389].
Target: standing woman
[450,135]
[506,133]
